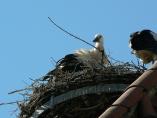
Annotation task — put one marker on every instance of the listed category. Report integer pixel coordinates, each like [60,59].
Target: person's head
[144,45]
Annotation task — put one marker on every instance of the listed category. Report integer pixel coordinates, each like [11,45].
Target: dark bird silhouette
[144,45]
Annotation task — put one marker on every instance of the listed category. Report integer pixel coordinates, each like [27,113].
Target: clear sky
[28,40]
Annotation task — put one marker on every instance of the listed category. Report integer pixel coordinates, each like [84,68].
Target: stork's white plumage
[81,59]
[96,55]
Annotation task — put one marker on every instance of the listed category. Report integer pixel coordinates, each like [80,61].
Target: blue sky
[28,40]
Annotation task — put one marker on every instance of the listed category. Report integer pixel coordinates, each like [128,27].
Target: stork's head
[98,38]
[144,45]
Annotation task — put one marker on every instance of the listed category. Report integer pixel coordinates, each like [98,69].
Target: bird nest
[78,94]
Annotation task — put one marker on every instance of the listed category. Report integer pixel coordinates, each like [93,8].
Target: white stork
[144,45]
[95,57]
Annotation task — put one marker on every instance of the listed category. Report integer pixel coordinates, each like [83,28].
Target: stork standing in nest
[95,57]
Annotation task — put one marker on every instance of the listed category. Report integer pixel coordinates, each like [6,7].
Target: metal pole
[133,95]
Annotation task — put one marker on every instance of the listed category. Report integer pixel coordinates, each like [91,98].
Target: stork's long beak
[96,39]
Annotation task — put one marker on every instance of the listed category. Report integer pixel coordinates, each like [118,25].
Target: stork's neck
[99,46]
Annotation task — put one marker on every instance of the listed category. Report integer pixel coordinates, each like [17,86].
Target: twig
[65,31]
[14,111]
[8,103]
[17,91]
[53,61]
[115,60]
[32,79]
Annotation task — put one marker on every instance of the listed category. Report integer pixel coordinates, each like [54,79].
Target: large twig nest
[78,94]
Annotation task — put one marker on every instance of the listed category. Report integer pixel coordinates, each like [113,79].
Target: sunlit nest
[83,93]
